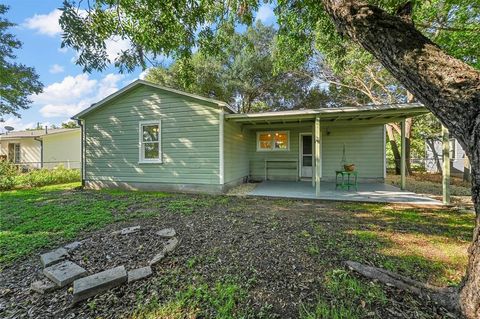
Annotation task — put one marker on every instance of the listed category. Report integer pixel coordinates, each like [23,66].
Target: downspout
[82,151]
[41,150]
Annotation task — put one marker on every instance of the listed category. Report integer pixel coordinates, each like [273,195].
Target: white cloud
[265,13]
[16,123]
[45,23]
[48,24]
[115,46]
[108,85]
[143,74]
[62,110]
[56,68]
[75,93]
[68,90]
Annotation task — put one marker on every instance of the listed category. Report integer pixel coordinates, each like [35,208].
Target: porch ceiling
[372,114]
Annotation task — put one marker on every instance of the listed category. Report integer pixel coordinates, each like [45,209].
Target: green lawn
[34,218]
[248,257]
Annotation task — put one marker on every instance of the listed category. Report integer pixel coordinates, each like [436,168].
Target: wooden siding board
[364,147]
[189,139]
[257,159]
[235,152]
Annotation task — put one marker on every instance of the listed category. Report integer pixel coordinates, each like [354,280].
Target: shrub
[8,171]
[42,177]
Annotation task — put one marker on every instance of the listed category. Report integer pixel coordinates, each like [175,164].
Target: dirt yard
[238,257]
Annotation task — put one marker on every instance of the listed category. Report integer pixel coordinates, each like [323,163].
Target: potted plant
[349,167]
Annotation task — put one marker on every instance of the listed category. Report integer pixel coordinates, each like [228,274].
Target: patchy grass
[219,300]
[346,297]
[426,244]
[431,184]
[38,217]
[245,257]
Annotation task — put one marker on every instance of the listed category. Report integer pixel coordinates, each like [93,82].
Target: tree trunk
[466,169]
[446,86]
[394,146]
[446,297]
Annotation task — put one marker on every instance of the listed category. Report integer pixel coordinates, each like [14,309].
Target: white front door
[306,155]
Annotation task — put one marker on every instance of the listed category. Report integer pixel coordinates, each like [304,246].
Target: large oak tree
[447,86]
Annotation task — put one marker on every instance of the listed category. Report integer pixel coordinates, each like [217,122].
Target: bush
[8,171]
[42,177]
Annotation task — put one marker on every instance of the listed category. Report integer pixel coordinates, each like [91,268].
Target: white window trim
[141,153]
[273,149]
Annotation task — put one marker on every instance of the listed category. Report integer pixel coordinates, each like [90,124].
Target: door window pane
[307,160]
[307,144]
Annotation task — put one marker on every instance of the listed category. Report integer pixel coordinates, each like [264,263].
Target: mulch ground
[254,241]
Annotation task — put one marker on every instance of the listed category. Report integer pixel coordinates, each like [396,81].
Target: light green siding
[189,139]
[364,147]
[235,152]
[278,171]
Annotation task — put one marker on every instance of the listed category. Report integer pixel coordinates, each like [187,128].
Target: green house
[154,138]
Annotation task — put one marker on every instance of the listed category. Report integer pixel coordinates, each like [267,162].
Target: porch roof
[369,114]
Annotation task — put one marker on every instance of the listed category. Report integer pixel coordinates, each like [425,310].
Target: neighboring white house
[434,158]
[46,148]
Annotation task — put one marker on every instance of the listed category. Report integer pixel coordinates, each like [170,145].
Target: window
[149,142]
[273,141]
[14,152]
[18,157]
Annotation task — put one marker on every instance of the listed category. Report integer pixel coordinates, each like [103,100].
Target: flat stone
[87,287]
[157,258]
[53,257]
[167,232]
[170,245]
[72,246]
[139,273]
[64,273]
[43,286]
[129,230]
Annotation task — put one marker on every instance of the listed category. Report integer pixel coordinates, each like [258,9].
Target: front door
[306,155]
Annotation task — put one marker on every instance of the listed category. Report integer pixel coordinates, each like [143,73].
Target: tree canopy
[177,28]
[243,75]
[17,81]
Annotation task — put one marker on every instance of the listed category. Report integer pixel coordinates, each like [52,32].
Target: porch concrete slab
[367,192]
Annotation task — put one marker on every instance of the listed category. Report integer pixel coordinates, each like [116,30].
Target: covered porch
[326,130]
[368,192]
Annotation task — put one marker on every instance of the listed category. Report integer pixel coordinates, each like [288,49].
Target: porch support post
[318,164]
[446,166]
[402,156]
[313,155]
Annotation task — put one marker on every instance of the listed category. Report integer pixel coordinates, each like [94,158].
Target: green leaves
[243,74]
[17,81]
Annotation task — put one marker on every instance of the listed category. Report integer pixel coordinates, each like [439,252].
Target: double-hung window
[273,141]
[18,153]
[150,142]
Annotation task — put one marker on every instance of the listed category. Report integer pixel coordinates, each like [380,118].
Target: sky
[67,90]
